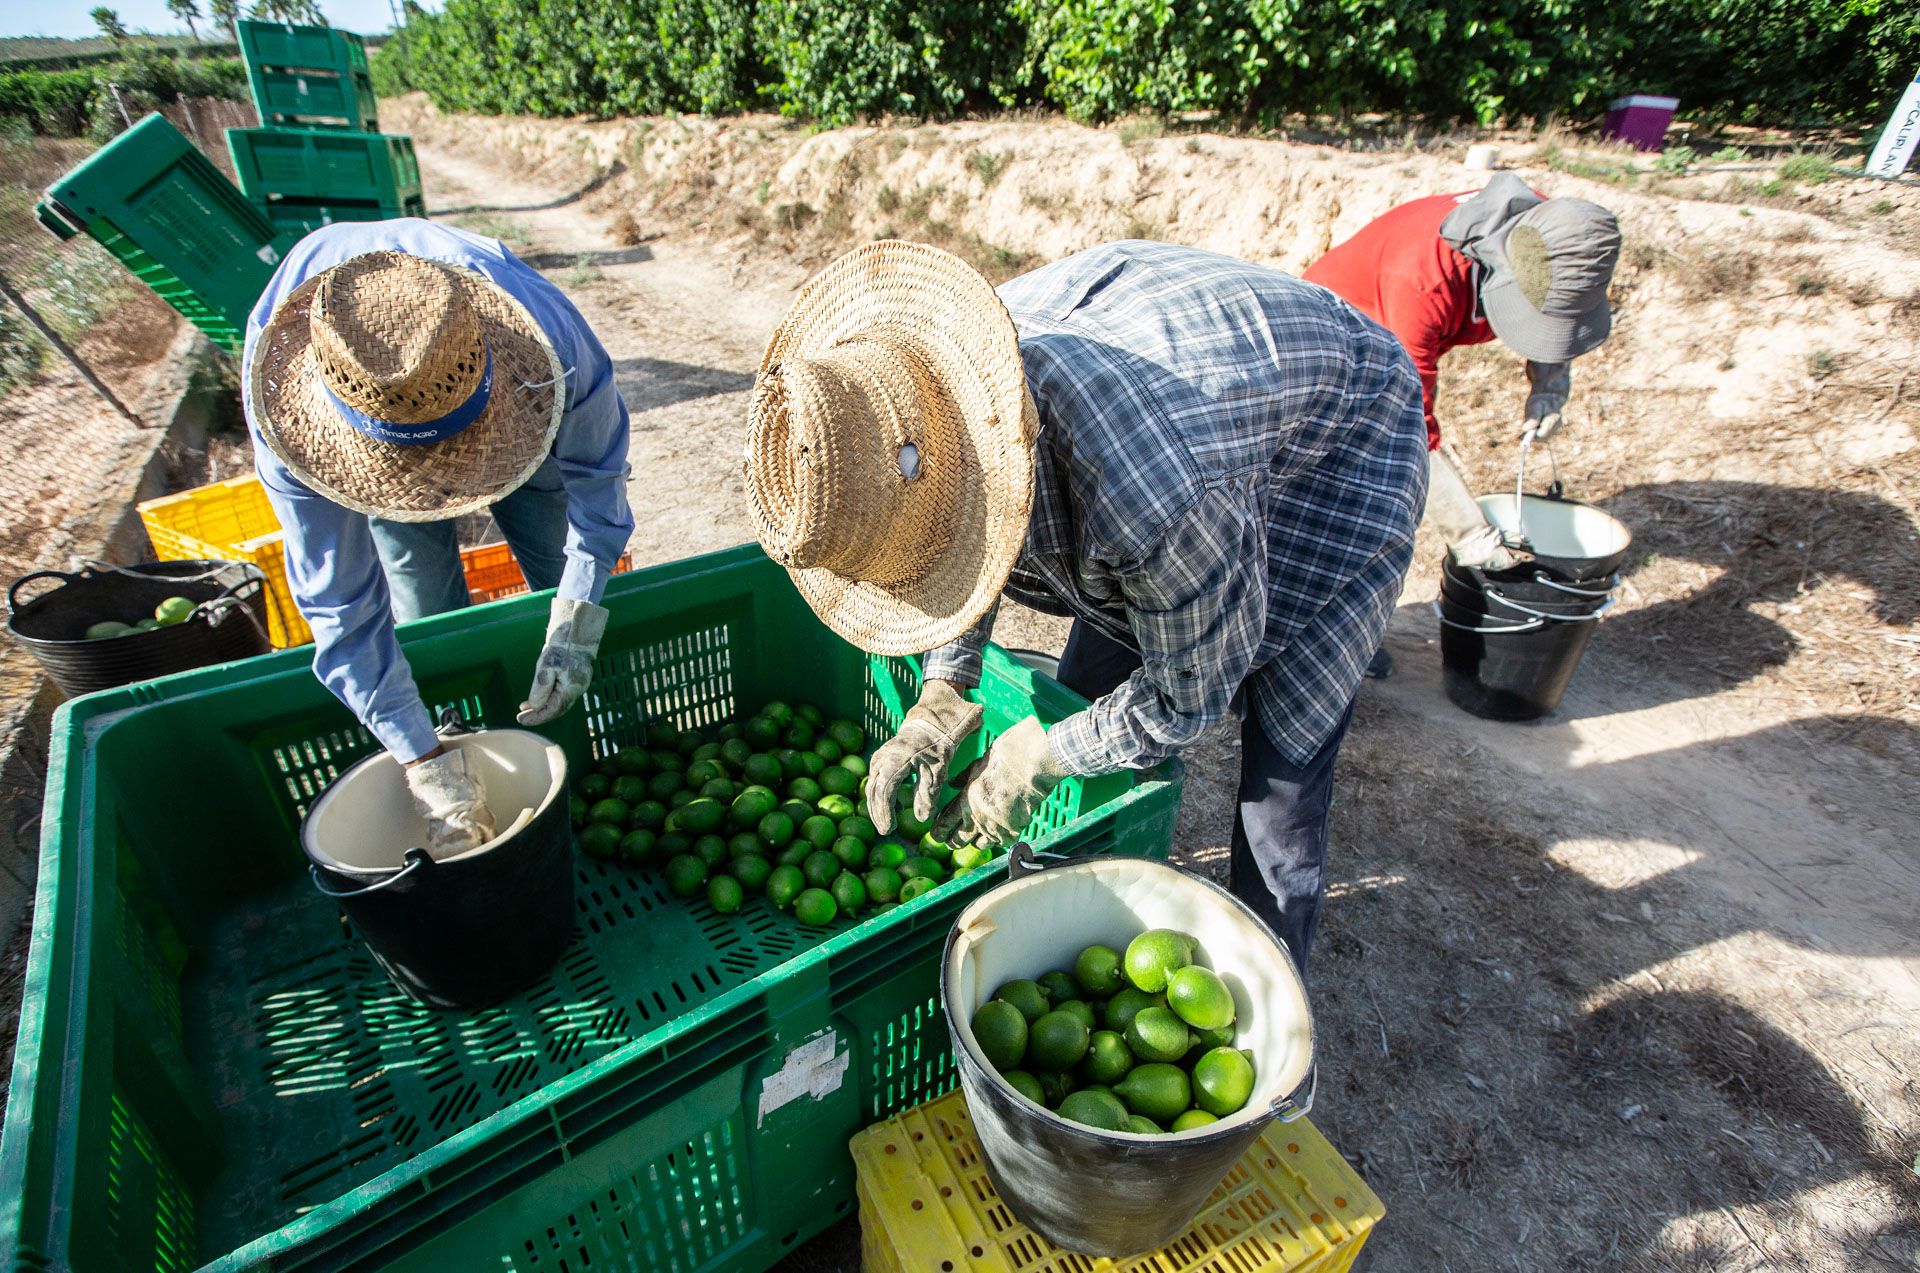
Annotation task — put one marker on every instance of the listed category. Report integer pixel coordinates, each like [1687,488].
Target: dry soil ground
[1634,988]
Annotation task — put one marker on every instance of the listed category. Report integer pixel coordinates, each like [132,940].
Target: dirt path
[1635,988]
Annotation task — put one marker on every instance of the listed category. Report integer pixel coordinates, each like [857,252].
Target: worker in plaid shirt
[1228,470]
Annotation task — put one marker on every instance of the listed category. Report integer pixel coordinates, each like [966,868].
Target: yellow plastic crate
[233,521]
[1292,1205]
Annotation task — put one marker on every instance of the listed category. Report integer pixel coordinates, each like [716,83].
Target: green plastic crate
[297,217]
[312,76]
[166,213]
[324,165]
[212,1073]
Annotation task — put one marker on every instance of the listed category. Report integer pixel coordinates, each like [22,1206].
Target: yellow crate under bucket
[1292,1205]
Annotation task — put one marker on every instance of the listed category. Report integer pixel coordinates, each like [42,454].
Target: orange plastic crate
[233,521]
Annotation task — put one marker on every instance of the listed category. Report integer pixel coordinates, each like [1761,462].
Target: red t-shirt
[1399,272]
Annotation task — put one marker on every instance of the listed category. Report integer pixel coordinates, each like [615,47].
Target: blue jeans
[422,559]
[1278,863]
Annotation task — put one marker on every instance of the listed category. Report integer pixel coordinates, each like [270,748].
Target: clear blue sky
[69,17]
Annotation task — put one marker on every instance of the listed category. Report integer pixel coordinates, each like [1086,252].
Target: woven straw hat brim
[959,323]
[485,461]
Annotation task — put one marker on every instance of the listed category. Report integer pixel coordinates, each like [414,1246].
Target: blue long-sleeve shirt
[335,573]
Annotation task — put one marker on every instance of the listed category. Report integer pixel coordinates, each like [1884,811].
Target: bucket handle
[1544,617]
[1529,626]
[1022,860]
[1296,1104]
[415,859]
[1539,577]
[13,593]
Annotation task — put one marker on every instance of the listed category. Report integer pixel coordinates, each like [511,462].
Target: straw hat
[890,446]
[406,388]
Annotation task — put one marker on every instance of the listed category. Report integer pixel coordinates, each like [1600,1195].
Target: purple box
[1640,120]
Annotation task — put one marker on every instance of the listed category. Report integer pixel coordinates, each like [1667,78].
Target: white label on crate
[814,1069]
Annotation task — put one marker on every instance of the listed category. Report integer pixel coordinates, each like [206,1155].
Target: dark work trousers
[1279,860]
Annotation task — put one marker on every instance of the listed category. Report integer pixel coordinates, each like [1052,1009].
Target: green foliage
[1675,160]
[1810,169]
[710,55]
[1102,58]
[834,61]
[76,103]
[21,350]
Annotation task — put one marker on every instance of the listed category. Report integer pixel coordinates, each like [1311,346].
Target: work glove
[565,667]
[1000,791]
[450,796]
[1454,512]
[1547,401]
[924,745]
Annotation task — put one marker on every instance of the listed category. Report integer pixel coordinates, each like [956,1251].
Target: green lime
[785,884]
[848,735]
[633,760]
[852,852]
[609,767]
[1200,997]
[1222,1081]
[778,712]
[798,810]
[724,894]
[810,764]
[970,857]
[860,826]
[1025,1084]
[1026,996]
[810,714]
[939,850]
[629,788]
[915,887]
[1057,1040]
[883,884]
[888,853]
[598,787]
[1156,1090]
[610,811]
[710,849]
[848,893]
[600,840]
[679,800]
[1108,1059]
[796,853]
[736,752]
[909,824]
[721,789]
[636,847]
[816,907]
[1120,1010]
[577,811]
[650,814]
[745,844]
[790,766]
[1059,987]
[762,731]
[854,765]
[671,844]
[819,831]
[664,784]
[919,868]
[763,770]
[804,789]
[702,772]
[702,815]
[776,829]
[1206,1040]
[752,871]
[1081,1009]
[1193,1118]
[1095,1109]
[839,808]
[835,781]
[752,804]
[669,761]
[1142,1126]
[689,741]
[827,750]
[686,875]
[1001,1033]
[1057,1085]
[1097,969]
[707,751]
[799,735]
[1156,1034]
[820,868]
[173,610]
[1156,954]
[661,736]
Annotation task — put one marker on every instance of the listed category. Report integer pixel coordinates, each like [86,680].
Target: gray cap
[1547,276]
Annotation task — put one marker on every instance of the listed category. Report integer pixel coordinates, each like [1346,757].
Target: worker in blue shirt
[398,375]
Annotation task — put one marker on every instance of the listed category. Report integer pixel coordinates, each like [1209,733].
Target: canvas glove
[1551,383]
[1000,791]
[1454,512]
[565,667]
[450,796]
[924,746]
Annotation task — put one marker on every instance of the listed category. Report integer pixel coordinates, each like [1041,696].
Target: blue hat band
[427,430]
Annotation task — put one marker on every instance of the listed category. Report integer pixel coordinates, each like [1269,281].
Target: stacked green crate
[305,178]
[308,76]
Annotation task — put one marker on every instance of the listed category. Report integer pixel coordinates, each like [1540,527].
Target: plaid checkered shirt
[1230,467]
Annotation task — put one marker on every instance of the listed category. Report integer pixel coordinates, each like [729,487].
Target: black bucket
[230,621]
[1513,597]
[1115,1194]
[1507,660]
[468,931]
[1568,540]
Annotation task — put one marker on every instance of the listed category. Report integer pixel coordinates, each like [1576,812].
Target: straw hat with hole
[406,388]
[890,446]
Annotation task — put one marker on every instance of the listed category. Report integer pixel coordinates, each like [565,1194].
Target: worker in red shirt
[1462,269]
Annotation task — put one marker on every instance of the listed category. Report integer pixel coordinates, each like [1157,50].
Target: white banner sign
[1896,144]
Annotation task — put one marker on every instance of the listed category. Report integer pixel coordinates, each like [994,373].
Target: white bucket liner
[367,820]
[1557,527]
[1039,923]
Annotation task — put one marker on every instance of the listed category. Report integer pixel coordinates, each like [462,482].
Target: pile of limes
[1140,1041]
[169,612]
[772,805]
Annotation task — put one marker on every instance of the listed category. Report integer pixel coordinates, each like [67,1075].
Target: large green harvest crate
[166,213]
[324,165]
[212,1073]
[310,75]
[310,48]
